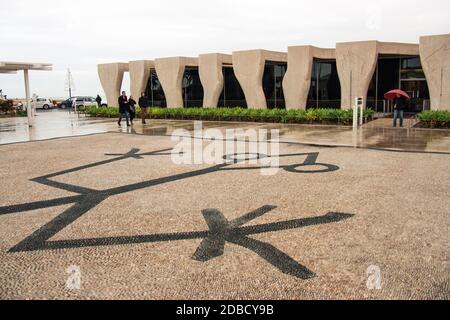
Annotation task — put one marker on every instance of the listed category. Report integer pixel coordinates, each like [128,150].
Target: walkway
[378,134]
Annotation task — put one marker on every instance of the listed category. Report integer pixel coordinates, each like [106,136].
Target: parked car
[65,104]
[43,103]
[81,102]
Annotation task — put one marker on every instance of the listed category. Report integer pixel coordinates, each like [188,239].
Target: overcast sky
[79,34]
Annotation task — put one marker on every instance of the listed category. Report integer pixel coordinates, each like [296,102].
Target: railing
[387,106]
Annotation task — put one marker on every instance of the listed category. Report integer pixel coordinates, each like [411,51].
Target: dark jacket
[400,103]
[131,104]
[123,104]
[98,99]
[143,102]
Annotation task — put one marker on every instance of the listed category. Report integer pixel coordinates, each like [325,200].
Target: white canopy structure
[13,67]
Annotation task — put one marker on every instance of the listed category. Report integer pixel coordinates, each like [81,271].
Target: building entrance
[394,72]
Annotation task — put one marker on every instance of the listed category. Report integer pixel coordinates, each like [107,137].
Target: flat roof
[12,67]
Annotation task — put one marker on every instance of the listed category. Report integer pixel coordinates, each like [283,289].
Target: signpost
[358,109]
[70,86]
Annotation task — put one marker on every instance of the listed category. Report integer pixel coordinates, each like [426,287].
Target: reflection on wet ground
[61,123]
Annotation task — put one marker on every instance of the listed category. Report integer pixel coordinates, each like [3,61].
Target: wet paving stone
[136,225]
[377,134]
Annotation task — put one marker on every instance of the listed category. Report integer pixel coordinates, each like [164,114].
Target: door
[418,91]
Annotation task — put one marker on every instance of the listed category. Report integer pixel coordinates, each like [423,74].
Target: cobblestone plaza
[134,225]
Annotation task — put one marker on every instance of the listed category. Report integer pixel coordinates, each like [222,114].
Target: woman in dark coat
[132,109]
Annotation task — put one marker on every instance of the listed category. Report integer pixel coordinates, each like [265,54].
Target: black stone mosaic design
[311,160]
[220,230]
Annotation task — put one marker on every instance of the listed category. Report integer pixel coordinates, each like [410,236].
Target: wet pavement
[51,124]
[61,123]
[111,216]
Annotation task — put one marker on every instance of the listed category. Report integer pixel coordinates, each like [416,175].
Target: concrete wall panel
[356,64]
[297,81]
[170,73]
[396,48]
[249,70]
[435,57]
[139,75]
[211,76]
[111,77]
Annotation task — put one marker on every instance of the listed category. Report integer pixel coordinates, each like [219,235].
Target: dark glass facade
[325,90]
[273,84]
[154,91]
[392,72]
[192,88]
[405,73]
[232,94]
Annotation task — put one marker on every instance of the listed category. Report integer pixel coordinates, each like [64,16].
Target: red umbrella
[391,95]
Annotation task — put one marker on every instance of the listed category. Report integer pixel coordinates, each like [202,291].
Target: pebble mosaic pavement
[141,227]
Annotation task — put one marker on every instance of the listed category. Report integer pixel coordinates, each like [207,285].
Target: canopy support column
[27,97]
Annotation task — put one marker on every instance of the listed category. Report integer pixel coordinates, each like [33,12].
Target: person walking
[123,108]
[132,109]
[143,104]
[99,101]
[399,107]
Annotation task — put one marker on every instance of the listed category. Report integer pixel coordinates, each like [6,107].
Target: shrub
[316,116]
[21,113]
[435,119]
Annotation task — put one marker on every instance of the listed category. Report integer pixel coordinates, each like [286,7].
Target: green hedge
[21,114]
[435,119]
[310,116]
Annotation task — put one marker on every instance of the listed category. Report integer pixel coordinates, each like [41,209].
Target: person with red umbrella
[399,97]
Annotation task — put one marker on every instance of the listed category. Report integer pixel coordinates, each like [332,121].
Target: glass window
[273,84]
[268,84]
[412,74]
[411,63]
[411,68]
[325,89]
[280,71]
[155,92]
[232,94]
[388,76]
[192,88]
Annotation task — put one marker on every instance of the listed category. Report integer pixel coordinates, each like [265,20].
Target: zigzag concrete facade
[296,80]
